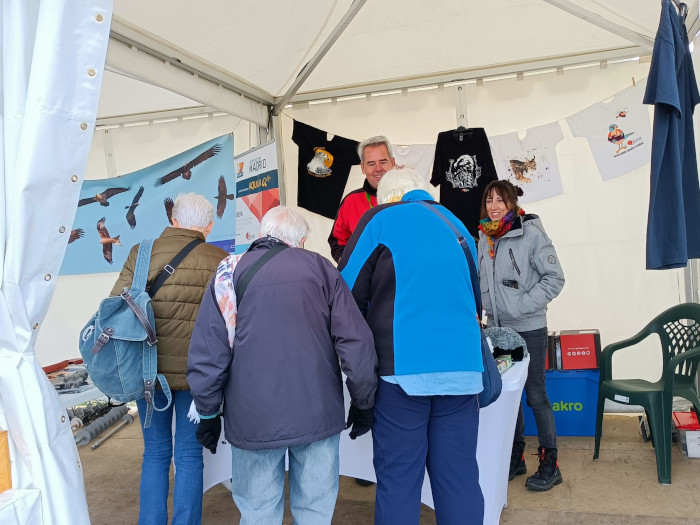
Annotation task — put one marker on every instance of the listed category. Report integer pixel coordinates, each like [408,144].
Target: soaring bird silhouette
[222,197]
[102,197]
[106,240]
[75,235]
[186,170]
[168,202]
[130,216]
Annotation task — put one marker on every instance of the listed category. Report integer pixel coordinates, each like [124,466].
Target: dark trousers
[537,399]
[411,433]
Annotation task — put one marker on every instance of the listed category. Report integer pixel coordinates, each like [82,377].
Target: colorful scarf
[497,229]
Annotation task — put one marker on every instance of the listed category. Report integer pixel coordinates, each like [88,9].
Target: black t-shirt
[324,167]
[463,168]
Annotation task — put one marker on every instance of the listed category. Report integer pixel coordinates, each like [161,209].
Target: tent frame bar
[466,75]
[164,52]
[318,56]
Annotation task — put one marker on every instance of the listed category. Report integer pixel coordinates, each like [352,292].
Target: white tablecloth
[20,507]
[496,428]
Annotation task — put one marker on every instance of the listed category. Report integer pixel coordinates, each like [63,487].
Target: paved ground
[620,488]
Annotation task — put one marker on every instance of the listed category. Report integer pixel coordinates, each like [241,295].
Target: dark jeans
[411,433]
[537,400]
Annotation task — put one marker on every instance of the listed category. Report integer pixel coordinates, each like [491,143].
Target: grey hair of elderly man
[285,224]
[192,211]
[397,182]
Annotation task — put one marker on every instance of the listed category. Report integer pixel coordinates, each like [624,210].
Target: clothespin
[634,84]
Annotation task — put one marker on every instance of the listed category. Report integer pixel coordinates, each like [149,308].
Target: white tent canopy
[259,49]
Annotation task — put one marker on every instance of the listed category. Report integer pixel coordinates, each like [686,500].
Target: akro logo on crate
[563,406]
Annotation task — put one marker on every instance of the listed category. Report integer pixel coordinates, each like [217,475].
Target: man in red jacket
[377,158]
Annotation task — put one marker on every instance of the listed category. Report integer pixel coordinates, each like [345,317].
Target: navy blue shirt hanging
[673,230]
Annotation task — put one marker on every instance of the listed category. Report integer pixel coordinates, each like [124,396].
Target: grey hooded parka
[522,278]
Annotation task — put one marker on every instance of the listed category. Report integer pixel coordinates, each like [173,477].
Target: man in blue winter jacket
[410,278]
[274,330]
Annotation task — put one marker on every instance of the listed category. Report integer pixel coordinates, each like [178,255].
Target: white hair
[397,182]
[378,140]
[284,224]
[193,211]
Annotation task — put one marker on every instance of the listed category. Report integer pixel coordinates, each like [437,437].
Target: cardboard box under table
[573,395]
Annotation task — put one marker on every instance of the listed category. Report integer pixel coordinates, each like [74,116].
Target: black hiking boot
[547,474]
[517,461]
[363,482]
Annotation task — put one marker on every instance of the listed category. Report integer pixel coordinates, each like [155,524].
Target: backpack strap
[138,284]
[169,268]
[473,274]
[248,275]
[150,352]
[143,263]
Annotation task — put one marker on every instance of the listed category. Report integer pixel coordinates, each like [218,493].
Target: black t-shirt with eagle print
[324,167]
[463,168]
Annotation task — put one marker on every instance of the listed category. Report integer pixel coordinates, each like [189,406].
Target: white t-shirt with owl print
[531,162]
[618,132]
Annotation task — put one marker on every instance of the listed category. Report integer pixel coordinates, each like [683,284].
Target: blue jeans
[157,456]
[537,399]
[411,433]
[258,482]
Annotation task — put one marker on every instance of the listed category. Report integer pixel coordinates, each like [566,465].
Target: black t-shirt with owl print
[463,167]
[324,167]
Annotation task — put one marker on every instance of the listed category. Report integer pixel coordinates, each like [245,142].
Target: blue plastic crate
[573,395]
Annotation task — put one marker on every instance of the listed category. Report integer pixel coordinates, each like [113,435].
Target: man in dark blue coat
[273,349]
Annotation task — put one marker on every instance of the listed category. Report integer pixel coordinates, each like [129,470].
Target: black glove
[360,421]
[208,432]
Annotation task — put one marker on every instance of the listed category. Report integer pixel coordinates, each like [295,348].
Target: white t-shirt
[530,163]
[618,132]
[419,157]
[416,156]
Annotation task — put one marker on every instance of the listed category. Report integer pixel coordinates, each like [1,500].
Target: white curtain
[53,54]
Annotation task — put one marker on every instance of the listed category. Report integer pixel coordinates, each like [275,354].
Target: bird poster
[115,214]
[257,190]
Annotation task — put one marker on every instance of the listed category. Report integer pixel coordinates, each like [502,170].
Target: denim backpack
[119,345]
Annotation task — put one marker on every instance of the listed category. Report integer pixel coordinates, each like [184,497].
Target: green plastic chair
[678,329]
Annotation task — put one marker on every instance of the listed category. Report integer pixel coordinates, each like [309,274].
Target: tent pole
[320,53]
[275,132]
[461,106]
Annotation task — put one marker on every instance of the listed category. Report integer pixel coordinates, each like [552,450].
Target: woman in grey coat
[519,275]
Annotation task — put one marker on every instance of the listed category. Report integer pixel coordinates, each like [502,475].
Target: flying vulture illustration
[130,216]
[186,170]
[221,197]
[75,235]
[102,197]
[168,202]
[106,240]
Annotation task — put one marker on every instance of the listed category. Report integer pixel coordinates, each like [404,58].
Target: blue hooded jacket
[410,278]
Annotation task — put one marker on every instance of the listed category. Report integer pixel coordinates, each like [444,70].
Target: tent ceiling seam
[597,20]
[304,59]
[318,56]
